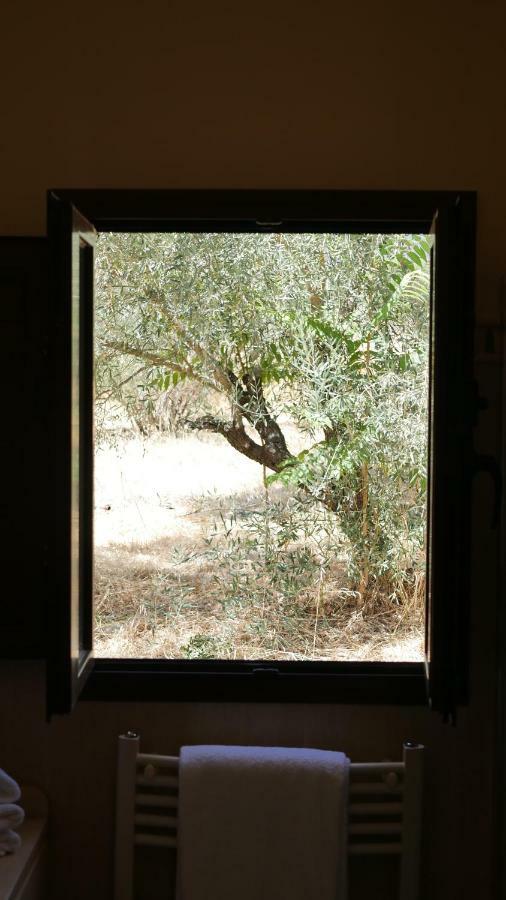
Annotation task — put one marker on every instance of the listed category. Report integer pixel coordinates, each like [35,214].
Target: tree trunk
[272,453]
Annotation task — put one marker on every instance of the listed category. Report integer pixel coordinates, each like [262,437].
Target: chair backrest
[385,810]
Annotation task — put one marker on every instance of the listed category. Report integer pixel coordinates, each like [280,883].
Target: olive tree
[327,331]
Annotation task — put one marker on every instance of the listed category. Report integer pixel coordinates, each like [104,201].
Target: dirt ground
[178,573]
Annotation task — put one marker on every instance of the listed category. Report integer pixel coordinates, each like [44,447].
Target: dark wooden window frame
[443,680]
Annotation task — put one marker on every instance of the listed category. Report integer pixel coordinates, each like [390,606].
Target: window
[435,231]
[261,445]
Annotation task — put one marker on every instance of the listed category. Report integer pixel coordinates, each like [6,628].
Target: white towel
[262,823]
[11,815]
[9,842]
[9,789]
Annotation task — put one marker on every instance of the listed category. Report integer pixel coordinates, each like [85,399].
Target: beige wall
[167,94]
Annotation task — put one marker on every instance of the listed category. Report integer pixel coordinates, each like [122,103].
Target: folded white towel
[11,815]
[9,842]
[262,823]
[9,789]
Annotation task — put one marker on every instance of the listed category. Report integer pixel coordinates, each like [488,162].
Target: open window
[373,313]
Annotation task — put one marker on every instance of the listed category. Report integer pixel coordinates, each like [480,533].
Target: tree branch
[218,372]
[237,436]
[240,440]
[251,403]
[155,359]
[104,395]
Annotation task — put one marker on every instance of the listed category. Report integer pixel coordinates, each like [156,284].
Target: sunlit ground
[174,578]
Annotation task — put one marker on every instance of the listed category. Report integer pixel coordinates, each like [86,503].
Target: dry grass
[167,586]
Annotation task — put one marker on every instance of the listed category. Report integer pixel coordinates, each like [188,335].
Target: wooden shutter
[24,497]
[70,659]
[451,420]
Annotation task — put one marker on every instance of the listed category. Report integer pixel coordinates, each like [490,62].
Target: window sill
[249,682]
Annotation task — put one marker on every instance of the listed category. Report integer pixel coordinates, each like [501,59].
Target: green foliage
[336,329]
[200,646]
